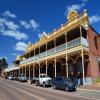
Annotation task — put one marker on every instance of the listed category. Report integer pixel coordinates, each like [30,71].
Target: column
[55,44]
[29,72]
[33,71]
[81,35]
[22,70]
[39,51]
[39,68]
[66,66]
[19,70]
[29,54]
[82,55]
[46,48]
[66,56]
[12,73]
[34,52]
[46,67]
[25,70]
[83,65]
[55,67]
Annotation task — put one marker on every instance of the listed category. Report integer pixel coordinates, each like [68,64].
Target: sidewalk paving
[89,87]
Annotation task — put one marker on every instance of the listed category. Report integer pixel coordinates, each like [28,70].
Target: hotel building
[72,49]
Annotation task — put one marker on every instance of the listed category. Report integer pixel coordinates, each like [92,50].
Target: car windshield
[68,80]
[45,76]
[22,75]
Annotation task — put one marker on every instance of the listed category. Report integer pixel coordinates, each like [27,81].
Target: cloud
[20,46]
[9,28]
[31,24]
[25,24]
[94,19]
[14,54]
[9,14]
[16,34]
[4,57]
[10,25]
[39,35]
[34,24]
[75,7]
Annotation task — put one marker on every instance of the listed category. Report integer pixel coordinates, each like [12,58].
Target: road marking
[27,93]
[51,90]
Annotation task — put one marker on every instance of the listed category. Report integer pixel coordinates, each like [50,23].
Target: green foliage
[3,63]
[98,79]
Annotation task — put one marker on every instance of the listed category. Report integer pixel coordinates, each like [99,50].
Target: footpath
[90,87]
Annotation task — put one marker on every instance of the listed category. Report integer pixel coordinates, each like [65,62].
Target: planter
[97,84]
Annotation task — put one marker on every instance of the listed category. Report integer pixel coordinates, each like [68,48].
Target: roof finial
[72,14]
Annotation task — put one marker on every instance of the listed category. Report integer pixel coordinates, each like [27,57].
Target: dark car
[63,83]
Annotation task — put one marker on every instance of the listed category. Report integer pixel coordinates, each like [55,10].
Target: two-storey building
[72,50]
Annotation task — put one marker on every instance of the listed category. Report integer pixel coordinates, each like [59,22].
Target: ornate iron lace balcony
[68,45]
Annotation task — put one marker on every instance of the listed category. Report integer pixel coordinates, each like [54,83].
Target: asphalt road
[12,90]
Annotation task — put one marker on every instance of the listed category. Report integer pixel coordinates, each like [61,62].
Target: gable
[72,15]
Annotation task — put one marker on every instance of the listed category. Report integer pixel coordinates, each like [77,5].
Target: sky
[24,21]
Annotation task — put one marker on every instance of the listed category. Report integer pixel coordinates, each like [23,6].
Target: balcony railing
[42,54]
[74,43]
[51,51]
[60,48]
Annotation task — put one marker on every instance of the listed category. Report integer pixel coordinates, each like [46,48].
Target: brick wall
[94,52]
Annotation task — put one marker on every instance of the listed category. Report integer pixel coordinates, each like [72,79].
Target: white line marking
[51,90]
[30,94]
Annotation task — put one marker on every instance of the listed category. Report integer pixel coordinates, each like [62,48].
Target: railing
[42,54]
[73,43]
[51,51]
[60,48]
[84,42]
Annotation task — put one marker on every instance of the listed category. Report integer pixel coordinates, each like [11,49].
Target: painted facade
[72,50]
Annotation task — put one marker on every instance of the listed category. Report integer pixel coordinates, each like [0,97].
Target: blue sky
[22,21]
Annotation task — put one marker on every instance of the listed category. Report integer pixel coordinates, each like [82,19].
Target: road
[13,90]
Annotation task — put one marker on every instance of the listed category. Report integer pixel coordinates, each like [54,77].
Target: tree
[3,63]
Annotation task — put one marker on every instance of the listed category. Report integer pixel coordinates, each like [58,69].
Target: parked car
[22,78]
[63,83]
[10,77]
[43,80]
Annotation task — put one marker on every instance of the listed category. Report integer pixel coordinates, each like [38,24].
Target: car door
[61,83]
[56,82]
[41,79]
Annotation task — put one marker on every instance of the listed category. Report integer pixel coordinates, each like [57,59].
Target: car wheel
[44,85]
[54,86]
[66,88]
[36,83]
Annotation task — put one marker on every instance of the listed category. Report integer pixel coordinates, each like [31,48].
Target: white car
[10,77]
[43,80]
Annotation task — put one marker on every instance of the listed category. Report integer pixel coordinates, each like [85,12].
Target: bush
[98,79]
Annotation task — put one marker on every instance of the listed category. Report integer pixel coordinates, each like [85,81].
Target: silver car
[22,78]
